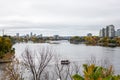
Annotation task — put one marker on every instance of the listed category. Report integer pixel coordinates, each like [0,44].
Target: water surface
[76,53]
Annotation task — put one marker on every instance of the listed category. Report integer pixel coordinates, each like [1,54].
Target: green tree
[76,39]
[5,45]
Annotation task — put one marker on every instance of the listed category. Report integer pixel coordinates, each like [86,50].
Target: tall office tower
[110,31]
[31,34]
[17,35]
[107,31]
[102,32]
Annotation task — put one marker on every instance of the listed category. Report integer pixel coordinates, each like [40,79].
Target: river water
[77,52]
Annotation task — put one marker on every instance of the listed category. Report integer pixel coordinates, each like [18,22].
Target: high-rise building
[102,32]
[31,34]
[105,32]
[118,33]
[17,35]
[109,31]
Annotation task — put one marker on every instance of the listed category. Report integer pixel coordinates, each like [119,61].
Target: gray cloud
[67,15]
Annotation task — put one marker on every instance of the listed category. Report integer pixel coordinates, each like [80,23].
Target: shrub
[92,72]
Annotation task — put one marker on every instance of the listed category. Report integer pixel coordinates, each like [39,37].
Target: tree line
[95,40]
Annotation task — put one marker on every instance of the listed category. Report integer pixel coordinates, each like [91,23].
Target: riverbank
[8,57]
[95,40]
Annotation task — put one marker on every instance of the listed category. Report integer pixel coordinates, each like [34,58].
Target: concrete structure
[102,32]
[17,35]
[109,31]
[31,34]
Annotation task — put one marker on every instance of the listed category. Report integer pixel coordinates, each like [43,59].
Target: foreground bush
[92,72]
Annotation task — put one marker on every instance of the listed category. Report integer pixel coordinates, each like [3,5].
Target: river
[77,52]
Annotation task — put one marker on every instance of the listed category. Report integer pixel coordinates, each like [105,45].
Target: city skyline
[36,30]
[62,17]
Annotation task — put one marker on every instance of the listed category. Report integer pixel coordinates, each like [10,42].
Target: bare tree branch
[38,62]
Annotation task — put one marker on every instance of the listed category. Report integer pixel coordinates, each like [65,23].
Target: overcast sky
[63,17]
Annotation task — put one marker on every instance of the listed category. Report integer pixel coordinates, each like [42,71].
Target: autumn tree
[5,46]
